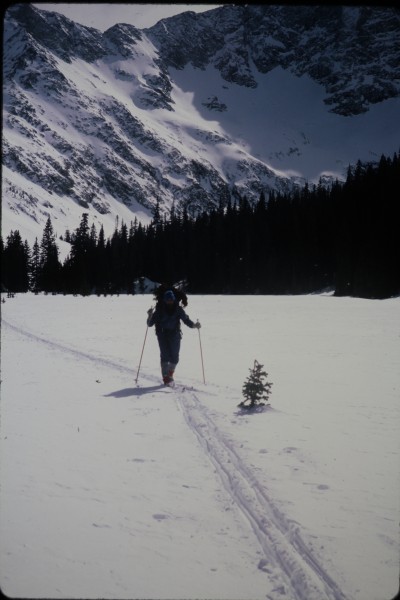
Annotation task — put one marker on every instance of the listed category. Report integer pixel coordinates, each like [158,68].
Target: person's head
[169,298]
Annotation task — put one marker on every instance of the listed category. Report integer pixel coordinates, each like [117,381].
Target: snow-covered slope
[192,111]
[115,490]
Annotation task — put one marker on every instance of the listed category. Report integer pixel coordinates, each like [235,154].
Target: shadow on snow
[135,391]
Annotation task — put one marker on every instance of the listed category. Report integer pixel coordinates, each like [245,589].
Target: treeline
[343,238]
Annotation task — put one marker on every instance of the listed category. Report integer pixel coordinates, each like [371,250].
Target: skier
[167,317]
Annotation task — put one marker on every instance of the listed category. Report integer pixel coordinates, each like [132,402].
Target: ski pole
[149,312]
[140,362]
[201,354]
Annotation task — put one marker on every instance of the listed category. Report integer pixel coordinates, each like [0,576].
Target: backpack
[179,294]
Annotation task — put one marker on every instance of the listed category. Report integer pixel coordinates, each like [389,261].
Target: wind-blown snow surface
[116,490]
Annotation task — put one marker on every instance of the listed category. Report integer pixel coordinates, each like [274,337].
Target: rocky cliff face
[352,52]
[190,112]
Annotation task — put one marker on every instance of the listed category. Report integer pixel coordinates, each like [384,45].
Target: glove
[197,325]
[150,312]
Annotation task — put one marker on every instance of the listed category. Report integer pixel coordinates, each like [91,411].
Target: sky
[104,15]
[112,488]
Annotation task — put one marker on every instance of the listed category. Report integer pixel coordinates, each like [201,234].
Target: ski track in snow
[278,536]
[286,556]
[64,348]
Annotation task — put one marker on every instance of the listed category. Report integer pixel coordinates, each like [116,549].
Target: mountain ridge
[115,123]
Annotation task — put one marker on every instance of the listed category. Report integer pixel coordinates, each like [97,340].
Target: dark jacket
[168,320]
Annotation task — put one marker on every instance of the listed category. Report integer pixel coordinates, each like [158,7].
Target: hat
[169,296]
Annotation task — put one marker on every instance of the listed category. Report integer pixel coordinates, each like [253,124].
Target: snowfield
[117,489]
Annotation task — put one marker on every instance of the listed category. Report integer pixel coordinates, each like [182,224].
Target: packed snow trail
[64,348]
[279,538]
[286,557]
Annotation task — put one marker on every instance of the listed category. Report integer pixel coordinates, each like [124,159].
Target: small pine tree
[255,390]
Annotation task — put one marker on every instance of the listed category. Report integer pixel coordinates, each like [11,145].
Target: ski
[177,386]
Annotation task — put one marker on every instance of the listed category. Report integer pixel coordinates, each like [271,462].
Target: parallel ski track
[69,349]
[104,362]
[278,537]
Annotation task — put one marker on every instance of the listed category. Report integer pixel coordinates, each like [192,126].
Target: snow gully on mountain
[115,122]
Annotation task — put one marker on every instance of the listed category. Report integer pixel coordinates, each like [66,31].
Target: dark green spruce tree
[15,264]
[49,276]
[256,389]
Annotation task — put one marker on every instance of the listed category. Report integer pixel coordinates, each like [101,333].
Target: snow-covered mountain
[192,111]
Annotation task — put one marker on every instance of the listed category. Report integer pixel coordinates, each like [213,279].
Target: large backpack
[179,294]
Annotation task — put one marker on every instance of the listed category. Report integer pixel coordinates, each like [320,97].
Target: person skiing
[167,317]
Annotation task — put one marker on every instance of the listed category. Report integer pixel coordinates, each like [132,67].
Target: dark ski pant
[170,343]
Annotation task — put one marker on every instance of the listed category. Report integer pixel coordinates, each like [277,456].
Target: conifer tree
[49,263]
[78,263]
[28,265]
[35,267]
[15,264]
[255,389]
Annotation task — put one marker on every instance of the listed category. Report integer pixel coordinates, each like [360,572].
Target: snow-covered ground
[114,489]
